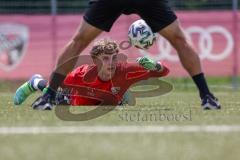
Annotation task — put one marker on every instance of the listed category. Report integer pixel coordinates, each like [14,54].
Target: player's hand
[149,64]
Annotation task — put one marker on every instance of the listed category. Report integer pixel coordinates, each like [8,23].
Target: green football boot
[25,90]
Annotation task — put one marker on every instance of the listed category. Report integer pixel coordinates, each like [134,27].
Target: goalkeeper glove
[149,64]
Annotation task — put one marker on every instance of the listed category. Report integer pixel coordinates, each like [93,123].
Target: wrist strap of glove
[159,67]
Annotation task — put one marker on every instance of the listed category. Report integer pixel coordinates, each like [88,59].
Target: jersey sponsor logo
[205,44]
[13,43]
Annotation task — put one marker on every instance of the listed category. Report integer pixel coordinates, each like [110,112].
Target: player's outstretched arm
[150,64]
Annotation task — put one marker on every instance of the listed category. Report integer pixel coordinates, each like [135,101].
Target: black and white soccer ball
[140,35]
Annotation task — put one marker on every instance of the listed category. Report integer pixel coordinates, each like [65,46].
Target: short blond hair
[104,46]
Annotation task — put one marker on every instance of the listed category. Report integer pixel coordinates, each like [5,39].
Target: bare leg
[69,56]
[188,56]
[77,44]
[191,62]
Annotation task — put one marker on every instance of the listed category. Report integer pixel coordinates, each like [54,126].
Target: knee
[178,39]
[184,47]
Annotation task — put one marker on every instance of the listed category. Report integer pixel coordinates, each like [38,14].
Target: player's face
[107,63]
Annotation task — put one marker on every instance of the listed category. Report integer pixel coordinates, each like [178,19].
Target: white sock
[35,83]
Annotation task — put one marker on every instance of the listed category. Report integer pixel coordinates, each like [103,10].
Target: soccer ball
[140,35]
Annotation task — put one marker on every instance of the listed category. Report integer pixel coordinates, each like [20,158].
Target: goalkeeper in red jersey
[107,75]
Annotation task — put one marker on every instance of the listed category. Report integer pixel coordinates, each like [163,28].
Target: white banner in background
[205,44]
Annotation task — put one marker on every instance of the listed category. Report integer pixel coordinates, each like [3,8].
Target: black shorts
[103,13]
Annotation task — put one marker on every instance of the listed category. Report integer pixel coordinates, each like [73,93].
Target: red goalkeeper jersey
[86,76]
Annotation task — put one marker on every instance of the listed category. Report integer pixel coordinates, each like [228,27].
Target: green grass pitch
[110,146]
